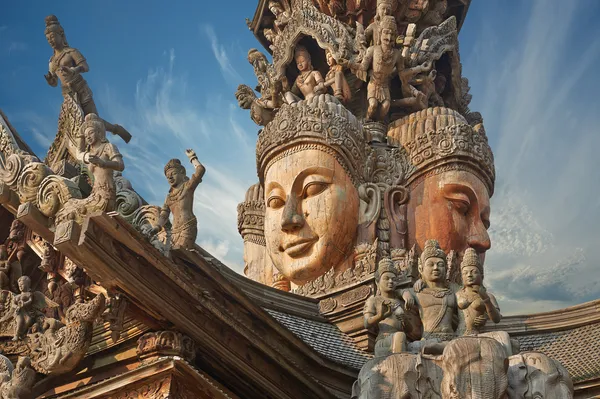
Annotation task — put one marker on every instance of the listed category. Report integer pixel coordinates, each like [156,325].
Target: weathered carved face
[302,62]
[433,269]
[386,37]
[92,135]
[471,276]
[387,282]
[24,284]
[175,177]
[311,215]
[452,207]
[55,39]
[330,59]
[383,10]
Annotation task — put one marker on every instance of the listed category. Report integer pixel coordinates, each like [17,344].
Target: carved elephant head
[533,375]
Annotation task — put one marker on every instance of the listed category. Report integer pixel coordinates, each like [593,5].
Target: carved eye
[461,206]
[314,188]
[275,202]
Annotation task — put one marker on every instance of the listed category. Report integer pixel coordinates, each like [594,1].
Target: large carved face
[387,282]
[433,269]
[311,215]
[303,62]
[452,207]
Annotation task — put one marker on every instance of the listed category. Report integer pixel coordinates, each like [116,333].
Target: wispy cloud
[227,69]
[536,90]
[14,47]
[165,118]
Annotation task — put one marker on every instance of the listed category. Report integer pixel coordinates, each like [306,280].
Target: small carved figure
[386,311]
[436,299]
[10,270]
[383,60]
[21,382]
[28,307]
[309,82]
[16,238]
[67,64]
[102,159]
[473,298]
[270,35]
[384,8]
[282,17]
[336,80]
[180,201]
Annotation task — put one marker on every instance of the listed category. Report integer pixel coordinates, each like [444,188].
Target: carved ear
[370,203]
[394,201]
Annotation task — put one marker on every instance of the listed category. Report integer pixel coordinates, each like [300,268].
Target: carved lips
[299,247]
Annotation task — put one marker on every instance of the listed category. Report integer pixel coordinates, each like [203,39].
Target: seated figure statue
[386,311]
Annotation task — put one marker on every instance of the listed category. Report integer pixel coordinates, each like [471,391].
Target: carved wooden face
[302,62]
[311,215]
[386,37]
[433,269]
[55,39]
[452,207]
[471,276]
[175,176]
[92,135]
[387,282]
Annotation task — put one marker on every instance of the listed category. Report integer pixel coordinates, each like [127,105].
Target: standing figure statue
[180,201]
[282,17]
[382,60]
[10,269]
[309,82]
[387,312]
[336,80]
[67,64]
[102,158]
[435,298]
[384,8]
[28,307]
[476,304]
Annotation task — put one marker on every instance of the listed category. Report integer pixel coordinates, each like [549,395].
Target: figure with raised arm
[309,82]
[67,64]
[180,201]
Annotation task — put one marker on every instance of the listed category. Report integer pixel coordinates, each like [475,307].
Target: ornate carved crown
[324,124]
[386,265]
[471,258]
[432,250]
[174,164]
[439,138]
[251,215]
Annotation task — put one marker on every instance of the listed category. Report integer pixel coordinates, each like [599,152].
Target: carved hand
[419,285]
[480,321]
[408,299]
[95,160]
[384,310]
[483,293]
[190,154]
[51,79]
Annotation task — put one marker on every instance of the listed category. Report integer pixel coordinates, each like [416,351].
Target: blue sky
[168,71]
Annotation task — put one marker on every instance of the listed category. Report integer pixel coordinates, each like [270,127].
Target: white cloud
[227,69]
[165,119]
[535,89]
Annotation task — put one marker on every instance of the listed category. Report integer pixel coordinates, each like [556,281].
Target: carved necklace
[437,293]
[303,76]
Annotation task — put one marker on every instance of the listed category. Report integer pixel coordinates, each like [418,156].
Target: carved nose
[290,219]
[479,238]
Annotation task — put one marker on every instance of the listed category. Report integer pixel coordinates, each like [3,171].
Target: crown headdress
[432,250]
[438,139]
[94,121]
[471,258]
[322,124]
[251,215]
[388,22]
[386,265]
[174,164]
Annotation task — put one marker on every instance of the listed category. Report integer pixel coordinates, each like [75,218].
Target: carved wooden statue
[102,158]
[67,64]
[180,201]
[28,307]
[336,80]
[386,311]
[309,82]
[282,17]
[384,8]
[436,300]
[473,299]
[19,383]
[10,269]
